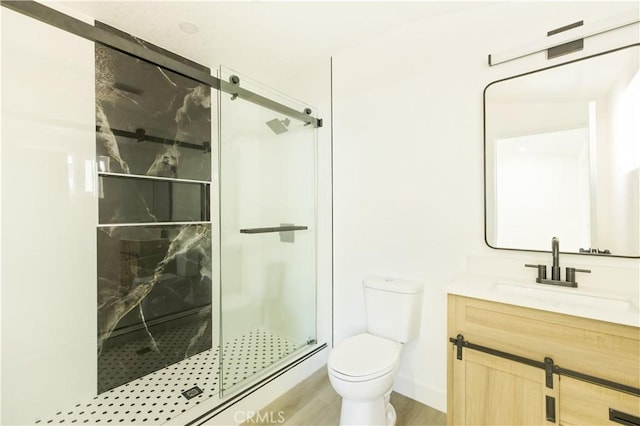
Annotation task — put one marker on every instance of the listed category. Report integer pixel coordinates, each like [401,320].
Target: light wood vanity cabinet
[588,404]
[527,366]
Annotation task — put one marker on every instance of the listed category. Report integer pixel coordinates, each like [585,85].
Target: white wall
[408,161]
[49,217]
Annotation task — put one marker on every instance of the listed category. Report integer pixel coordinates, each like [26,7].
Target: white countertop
[582,302]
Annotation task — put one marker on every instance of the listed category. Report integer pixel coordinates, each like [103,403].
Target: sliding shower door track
[235,398]
[82,29]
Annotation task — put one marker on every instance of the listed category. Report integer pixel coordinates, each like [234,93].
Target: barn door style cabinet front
[491,390]
[513,365]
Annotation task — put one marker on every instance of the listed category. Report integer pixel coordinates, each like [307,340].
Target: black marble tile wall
[152,282]
[153,146]
[150,121]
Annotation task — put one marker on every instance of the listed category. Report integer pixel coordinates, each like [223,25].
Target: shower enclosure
[267,233]
[176,267]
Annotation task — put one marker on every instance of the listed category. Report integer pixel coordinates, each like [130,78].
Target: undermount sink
[566,296]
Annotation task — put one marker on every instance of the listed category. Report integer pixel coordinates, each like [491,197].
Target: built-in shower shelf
[137,200]
[164,179]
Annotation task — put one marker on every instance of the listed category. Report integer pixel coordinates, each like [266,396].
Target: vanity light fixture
[563,40]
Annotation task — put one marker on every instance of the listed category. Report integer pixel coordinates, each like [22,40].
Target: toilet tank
[394,307]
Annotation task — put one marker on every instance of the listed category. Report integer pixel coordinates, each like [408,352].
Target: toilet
[362,368]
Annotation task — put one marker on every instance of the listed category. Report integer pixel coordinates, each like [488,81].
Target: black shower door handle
[284,228]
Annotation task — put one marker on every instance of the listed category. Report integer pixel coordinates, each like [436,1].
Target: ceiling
[272,38]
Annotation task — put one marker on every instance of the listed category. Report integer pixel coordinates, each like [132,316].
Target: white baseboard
[421,392]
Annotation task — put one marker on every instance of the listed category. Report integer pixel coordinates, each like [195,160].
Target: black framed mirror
[562,157]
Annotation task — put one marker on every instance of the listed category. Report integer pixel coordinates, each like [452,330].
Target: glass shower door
[267,234]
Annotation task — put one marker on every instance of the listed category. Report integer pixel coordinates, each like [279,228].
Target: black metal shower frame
[107,38]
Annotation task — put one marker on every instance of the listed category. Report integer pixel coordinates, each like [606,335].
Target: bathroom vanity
[546,351]
[525,354]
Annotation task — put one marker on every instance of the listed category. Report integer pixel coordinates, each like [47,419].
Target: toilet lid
[364,355]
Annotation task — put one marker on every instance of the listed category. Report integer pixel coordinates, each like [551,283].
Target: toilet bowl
[361,370]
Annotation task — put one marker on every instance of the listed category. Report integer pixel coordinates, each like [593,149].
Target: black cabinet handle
[550,408]
[623,418]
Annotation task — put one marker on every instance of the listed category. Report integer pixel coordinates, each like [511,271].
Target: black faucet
[555,254]
[570,278]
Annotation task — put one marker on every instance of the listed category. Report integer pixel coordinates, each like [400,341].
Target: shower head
[278,126]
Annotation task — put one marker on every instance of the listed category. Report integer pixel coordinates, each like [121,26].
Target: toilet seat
[363,357]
